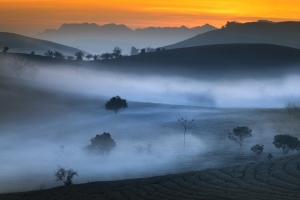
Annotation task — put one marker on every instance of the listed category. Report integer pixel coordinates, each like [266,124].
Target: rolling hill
[281,33]
[268,180]
[22,44]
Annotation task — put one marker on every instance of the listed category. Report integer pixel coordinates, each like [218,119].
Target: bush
[65,175]
[101,145]
[286,142]
[257,149]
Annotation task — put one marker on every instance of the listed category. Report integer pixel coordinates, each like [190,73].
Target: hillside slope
[275,179]
[22,44]
[281,33]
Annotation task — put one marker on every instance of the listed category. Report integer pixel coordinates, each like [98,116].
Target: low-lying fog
[32,134]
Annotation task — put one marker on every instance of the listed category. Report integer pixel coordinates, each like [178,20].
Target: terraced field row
[275,179]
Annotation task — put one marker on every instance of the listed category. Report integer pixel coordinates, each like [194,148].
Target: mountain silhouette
[22,44]
[281,33]
[100,39]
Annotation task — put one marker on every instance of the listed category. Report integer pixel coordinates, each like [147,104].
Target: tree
[49,53]
[58,54]
[5,49]
[291,109]
[101,145]
[117,52]
[32,53]
[270,156]
[158,50]
[257,149]
[95,57]
[286,142]
[143,51]
[115,104]
[65,175]
[79,55]
[239,134]
[33,70]
[186,124]
[106,56]
[89,56]
[134,51]
[19,65]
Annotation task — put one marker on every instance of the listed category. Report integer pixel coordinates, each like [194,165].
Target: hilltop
[280,33]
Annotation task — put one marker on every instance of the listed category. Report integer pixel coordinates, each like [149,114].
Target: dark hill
[282,33]
[269,180]
[22,44]
[220,61]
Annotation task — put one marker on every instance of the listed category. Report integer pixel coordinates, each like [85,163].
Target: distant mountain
[22,44]
[281,33]
[100,39]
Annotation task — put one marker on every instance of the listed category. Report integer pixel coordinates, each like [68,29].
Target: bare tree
[291,109]
[19,65]
[186,124]
[33,70]
[65,175]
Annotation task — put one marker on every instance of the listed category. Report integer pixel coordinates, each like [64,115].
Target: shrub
[65,175]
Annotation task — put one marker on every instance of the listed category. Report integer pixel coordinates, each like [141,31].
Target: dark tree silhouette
[58,54]
[239,134]
[65,175]
[270,156]
[115,104]
[158,50]
[186,124]
[79,55]
[106,56]
[101,145]
[5,49]
[143,51]
[134,51]
[117,52]
[286,142]
[49,53]
[257,149]
[32,53]
[95,57]
[89,56]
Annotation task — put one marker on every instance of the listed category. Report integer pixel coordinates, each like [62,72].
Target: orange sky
[31,16]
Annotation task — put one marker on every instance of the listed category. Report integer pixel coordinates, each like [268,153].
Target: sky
[32,16]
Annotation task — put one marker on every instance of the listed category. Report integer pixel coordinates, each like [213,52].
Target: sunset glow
[31,16]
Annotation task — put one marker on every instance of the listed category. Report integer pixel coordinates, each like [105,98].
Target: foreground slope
[275,179]
[22,44]
[281,33]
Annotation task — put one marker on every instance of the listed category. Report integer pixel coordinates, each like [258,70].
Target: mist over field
[63,106]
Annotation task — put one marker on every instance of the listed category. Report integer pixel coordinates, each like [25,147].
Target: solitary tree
[58,54]
[257,149]
[101,145]
[79,55]
[19,65]
[143,51]
[5,49]
[106,56]
[32,53]
[65,175]
[95,57]
[49,53]
[286,142]
[117,52]
[186,124]
[115,104]
[291,109]
[89,56]
[134,51]
[239,134]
